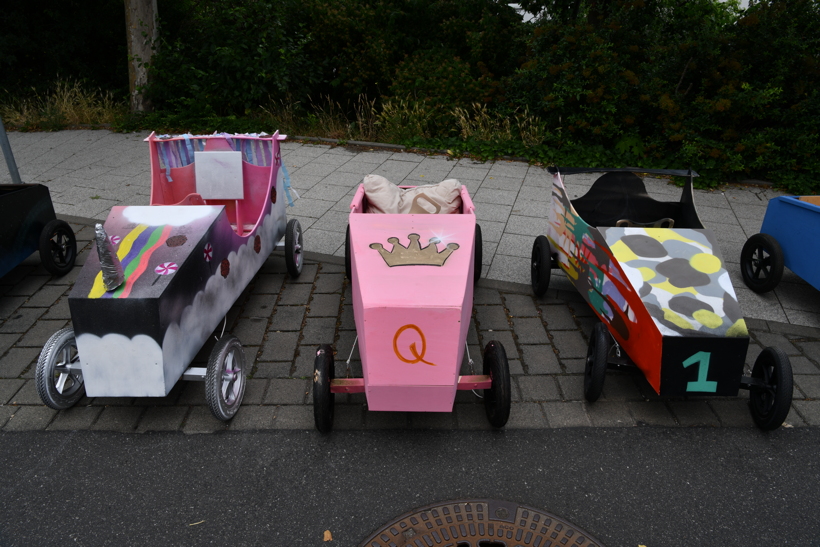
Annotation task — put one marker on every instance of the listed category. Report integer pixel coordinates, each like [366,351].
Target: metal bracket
[195,374]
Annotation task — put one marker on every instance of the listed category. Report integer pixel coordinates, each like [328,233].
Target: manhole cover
[479,523]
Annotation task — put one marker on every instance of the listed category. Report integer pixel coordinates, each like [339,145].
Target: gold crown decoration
[414,254]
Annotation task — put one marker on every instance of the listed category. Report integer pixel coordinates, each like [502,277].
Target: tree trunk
[142,32]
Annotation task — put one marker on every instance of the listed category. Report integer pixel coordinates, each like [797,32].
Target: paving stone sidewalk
[281,321]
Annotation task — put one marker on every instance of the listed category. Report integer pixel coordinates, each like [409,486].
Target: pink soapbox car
[217,211]
[412,278]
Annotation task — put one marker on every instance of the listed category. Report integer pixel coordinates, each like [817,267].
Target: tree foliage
[43,40]
[670,82]
[733,93]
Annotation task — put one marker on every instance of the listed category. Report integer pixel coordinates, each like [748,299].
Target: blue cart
[787,238]
[29,223]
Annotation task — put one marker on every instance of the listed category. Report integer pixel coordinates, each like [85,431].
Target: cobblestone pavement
[281,321]
[88,172]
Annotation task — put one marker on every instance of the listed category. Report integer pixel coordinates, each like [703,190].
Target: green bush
[43,41]
[667,83]
[359,44]
[230,58]
[439,82]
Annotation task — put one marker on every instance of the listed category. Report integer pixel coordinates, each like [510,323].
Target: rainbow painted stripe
[134,253]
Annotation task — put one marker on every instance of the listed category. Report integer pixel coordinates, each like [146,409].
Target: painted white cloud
[183,340]
[173,215]
[118,366]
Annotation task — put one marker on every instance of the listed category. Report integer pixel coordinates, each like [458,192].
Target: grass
[395,120]
[67,104]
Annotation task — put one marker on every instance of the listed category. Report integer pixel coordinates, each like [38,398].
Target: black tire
[497,399]
[58,247]
[761,263]
[595,369]
[294,242]
[225,378]
[770,404]
[479,254]
[348,266]
[541,265]
[58,387]
[323,399]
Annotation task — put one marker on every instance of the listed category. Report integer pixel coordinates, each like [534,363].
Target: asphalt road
[627,486]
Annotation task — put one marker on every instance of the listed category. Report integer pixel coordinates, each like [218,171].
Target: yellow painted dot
[647,273]
[671,289]
[665,234]
[708,318]
[673,317]
[738,329]
[622,252]
[706,263]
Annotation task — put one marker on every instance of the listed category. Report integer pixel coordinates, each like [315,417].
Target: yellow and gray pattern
[680,278]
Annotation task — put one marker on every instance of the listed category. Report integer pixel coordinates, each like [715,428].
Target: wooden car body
[663,292]
[25,209]
[794,221]
[412,301]
[186,260]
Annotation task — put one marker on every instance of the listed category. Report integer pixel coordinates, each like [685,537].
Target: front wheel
[771,402]
[595,370]
[323,399]
[540,266]
[497,399]
[225,378]
[293,248]
[58,247]
[761,263]
[59,384]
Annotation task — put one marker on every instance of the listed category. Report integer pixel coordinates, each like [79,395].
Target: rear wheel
[58,247]
[225,378]
[293,248]
[348,266]
[497,399]
[595,370]
[323,399]
[541,266]
[770,403]
[761,263]
[59,386]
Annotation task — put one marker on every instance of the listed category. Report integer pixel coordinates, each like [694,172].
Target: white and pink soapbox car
[412,278]
[217,211]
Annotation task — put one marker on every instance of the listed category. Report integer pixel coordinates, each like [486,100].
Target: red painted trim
[477,381]
[347,385]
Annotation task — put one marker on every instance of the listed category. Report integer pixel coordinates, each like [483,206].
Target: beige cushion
[385,197]
[382,195]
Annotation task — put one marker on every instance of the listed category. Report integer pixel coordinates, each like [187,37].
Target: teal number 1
[702,358]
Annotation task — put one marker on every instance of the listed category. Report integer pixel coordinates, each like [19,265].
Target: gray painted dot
[645,246]
[687,305]
[681,274]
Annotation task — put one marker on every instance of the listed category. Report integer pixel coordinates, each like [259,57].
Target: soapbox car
[412,278]
[655,277]
[29,223]
[216,212]
[777,245]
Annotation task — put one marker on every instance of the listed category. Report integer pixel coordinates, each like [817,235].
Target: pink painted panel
[410,399]
[411,346]
[412,319]
[402,285]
